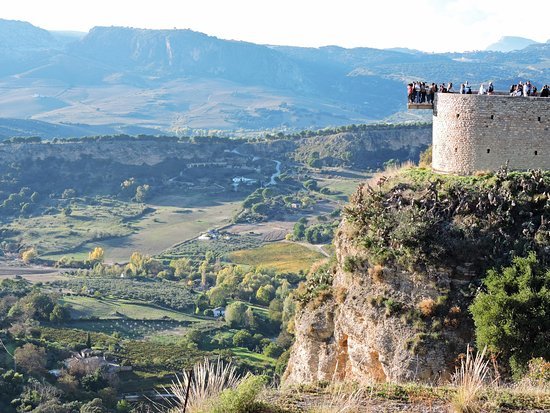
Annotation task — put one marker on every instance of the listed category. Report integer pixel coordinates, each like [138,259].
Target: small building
[219,312]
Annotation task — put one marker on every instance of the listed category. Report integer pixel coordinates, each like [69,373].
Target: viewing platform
[420,106]
[426,105]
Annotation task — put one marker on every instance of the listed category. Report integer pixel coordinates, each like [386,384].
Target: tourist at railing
[424,92]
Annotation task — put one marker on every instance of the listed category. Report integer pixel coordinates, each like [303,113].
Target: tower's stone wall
[484,132]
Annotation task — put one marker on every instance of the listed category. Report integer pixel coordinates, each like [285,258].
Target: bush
[242,399]
[427,307]
[273,350]
[243,338]
[511,317]
[426,158]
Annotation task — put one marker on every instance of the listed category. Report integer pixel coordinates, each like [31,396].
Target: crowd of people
[424,92]
[528,89]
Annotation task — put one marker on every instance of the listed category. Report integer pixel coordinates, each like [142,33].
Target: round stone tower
[485,132]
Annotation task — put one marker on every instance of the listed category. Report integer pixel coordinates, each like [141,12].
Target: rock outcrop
[410,255]
[371,328]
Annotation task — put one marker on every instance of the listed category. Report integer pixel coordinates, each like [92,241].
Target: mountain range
[126,80]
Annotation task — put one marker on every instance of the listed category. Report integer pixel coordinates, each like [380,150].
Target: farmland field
[281,256]
[160,229]
[108,308]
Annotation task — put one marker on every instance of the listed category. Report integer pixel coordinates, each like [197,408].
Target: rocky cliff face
[368,330]
[410,255]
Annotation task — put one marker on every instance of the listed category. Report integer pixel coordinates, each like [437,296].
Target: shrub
[377,273]
[241,399]
[282,362]
[511,317]
[426,158]
[427,307]
[538,373]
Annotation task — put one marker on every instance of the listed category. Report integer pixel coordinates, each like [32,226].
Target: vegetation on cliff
[488,231]
[418,218]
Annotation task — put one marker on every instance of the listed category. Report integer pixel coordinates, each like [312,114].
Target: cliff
[410,255]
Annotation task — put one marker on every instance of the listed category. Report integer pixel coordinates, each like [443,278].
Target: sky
[428,25]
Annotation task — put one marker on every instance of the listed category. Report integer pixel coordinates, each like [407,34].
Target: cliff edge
[411,252]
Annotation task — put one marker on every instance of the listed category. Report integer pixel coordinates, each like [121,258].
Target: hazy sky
[430,25]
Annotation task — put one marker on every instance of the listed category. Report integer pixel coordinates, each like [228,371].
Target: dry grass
[427,307]
[341,401]
[340,295]
[469,381]
[377,273]
[280,256]
[390,172]
[208,381]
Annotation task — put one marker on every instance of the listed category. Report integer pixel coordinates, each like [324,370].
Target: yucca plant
[197,391]
[469,381]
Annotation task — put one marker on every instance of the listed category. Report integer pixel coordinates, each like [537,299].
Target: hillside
[510,43]
[179,81]
[411,254]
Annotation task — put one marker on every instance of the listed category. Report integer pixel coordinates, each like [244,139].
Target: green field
[281,256]
[108,308]
[130,318]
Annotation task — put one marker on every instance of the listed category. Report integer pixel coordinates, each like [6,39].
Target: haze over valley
[135,81]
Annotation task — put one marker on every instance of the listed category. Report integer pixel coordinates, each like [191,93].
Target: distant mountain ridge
[175,81]
[510,43]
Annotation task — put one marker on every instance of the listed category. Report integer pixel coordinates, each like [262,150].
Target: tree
[96,255]
[181,266]
[298,231]
[311,184]
[242,338]
[511,317]
[59,313]
[218,296]
[265,294]
[94,381]
[31,358]
[142,192]
[273,350]
[201,302]
[275,310]
[235,314]
[195,336]
[39,306]
[250,319]
[29,255]
[140,265]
